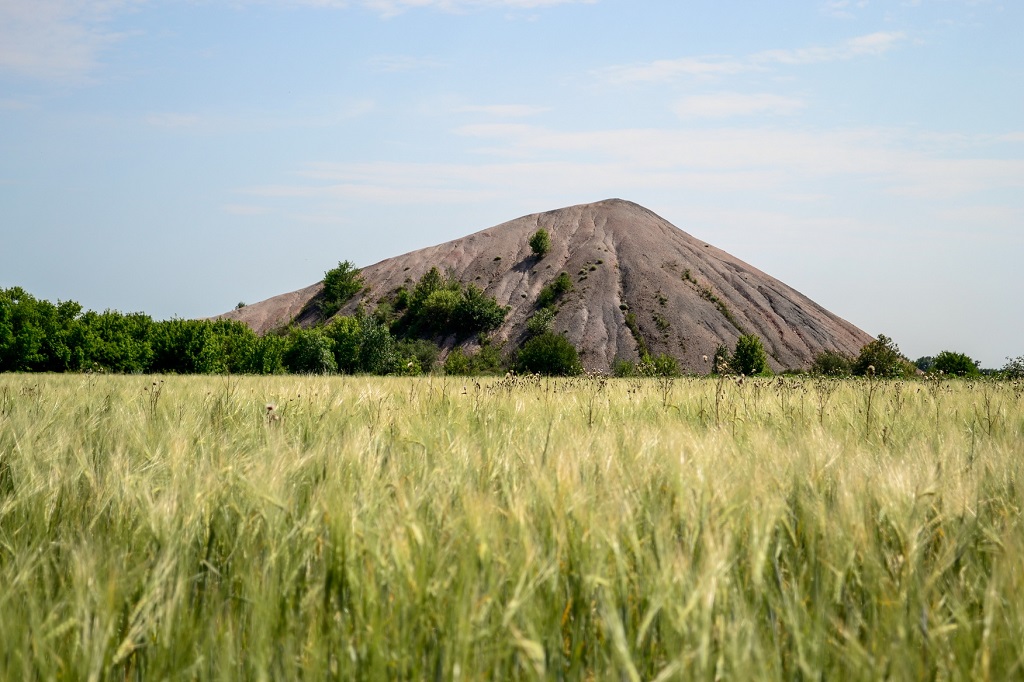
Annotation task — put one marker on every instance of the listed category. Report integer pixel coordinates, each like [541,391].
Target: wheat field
[434,528]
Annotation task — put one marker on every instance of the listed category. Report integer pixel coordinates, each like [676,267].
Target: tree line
[403,335]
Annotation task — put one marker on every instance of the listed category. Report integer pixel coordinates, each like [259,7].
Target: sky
[177,157]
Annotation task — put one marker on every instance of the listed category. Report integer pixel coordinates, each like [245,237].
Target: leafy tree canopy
[540,243]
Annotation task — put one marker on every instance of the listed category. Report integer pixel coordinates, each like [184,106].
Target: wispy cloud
[56,39]
[398,63]
[712,66]
[843,9]
[669,69]
[870,45]
[503,110]
[390,8]
[735,162]
[335,113]
[731,104]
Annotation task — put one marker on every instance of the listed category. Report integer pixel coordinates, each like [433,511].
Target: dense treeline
[39,336]
[401,336]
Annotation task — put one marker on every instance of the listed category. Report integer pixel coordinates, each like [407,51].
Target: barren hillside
[685,295]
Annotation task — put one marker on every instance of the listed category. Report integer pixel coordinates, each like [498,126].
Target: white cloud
[843,9]
[736,162]
[391,8]
[669,69]
[729,104]
[55,39]
[503,110]
[711,66]
[870,45]
[397,63]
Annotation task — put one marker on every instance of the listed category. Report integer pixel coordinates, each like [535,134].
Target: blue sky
[177,157]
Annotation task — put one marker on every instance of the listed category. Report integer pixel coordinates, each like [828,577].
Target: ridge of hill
[634,274]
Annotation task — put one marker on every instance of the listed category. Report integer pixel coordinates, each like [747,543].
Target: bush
[540,243]
[882,358]
[477,313]
[554,291]
[340,285]
[750,358]
[830,363]
[310,351]
[1014,368]
[541,321]
[722,361]
[955,364]
[662,365]
[420,352]
[625,368]
[457,362]
[440,306]
[487,360]
[550,354]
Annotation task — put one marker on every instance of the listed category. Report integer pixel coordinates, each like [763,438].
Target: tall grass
[431,528]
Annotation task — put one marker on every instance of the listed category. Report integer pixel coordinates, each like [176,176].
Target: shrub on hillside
[439,306]
[340,285]
[550,354]
[540,243]
[554,291]
[541,321]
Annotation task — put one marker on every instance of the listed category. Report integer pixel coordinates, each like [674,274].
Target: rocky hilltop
[635,276]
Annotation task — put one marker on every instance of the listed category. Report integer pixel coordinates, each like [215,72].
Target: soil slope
[686,296]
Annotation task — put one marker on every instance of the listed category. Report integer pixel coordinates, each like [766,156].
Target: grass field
[440,528]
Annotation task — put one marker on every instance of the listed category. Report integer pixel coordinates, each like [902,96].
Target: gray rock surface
[686,295]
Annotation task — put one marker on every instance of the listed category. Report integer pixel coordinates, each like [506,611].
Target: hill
[637,279]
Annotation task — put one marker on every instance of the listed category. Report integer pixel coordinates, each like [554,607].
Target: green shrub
[540,243]
[477,313]
[625,368]
[457,362]
[550,354]
[1014,368]
[340,285]
[662,365]
[882,358]
[553,291]
[721,363]
[831,363]
[310,351]
[750,358]
[541,321]
[440,306]
[955,364]
[420,352]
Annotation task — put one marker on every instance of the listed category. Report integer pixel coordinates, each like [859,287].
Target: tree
[830,363]
[882,358]
[955,364]
[310,351]
[550,354]
[540,243]
[721,363]
[1014,368]
[340,285]
[554,290]
[750,358]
